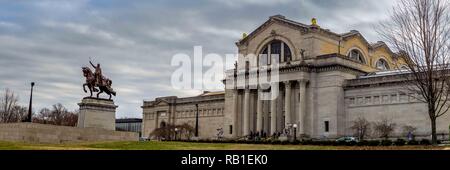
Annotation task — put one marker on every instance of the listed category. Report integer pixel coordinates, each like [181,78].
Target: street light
[196,122]
[29,118]
[176,133]
[295,132]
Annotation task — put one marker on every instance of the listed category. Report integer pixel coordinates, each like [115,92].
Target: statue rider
[98,74]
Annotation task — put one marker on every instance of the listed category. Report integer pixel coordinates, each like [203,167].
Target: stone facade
[97,113]
[376,98]
[323,86]
[41,133]
[177,111]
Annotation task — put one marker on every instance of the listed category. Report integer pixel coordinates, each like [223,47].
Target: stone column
[236,119]
[259,112]
[302,107]
[266,111]
[273,116]
[287,103]
[246,128]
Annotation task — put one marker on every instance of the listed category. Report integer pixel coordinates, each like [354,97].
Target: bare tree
[420,31]
[10,111]
[43,116]
[58,115]
[71,119]
[361,128]
[384,128]
[168,132]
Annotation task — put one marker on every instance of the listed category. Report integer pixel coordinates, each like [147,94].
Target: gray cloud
[49,41]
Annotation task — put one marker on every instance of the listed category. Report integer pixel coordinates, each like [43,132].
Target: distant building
[177,111]
[129,125]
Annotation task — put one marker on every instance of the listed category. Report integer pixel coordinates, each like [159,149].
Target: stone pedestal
[97,113]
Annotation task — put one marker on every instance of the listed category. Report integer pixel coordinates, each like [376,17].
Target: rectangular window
[162,114]
[403,97]
[352,101]
[231,129]
[412,97]
[263,59]
[327,126]
[385,99]
[359,100]
[368,100]
[376,99]
[394,98]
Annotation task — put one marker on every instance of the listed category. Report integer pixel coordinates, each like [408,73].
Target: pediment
[269,26]
[358,36]
[385,47]
[161,103]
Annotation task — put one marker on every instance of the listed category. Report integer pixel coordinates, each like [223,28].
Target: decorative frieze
[381,99]
[210,112]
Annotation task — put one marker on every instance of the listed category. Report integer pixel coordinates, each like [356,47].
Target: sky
[48,41]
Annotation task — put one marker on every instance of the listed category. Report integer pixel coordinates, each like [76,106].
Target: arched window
[275,47]
[357,56]
[382,64]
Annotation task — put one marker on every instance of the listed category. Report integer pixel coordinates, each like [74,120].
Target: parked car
[347,139]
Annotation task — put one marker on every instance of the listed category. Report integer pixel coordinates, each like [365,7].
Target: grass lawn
[154,145]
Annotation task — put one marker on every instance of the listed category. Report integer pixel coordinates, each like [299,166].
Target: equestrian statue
[96,80]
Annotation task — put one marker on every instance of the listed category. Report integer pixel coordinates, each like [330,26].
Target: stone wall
[41,133]
[391,102]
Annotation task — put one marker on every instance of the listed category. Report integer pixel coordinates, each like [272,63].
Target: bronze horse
[91,83]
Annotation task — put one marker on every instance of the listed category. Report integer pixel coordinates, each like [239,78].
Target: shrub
[240,141]
[363,143]
[386,143]
[351,143]
[285,142]
[399,142]
[341,143]
[307,142]
[276,142]
[328,143]
[317,143]
[425,142]
[296,142]
[412,142]
[266,142]
[374,143]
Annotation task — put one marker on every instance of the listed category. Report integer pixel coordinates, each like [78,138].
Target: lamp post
[29,118]
[176,133]
[196,122]
[295,132]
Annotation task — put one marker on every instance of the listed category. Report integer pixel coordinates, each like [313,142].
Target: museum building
[326,81]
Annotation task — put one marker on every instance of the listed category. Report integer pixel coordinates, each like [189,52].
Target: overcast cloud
[48,41]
